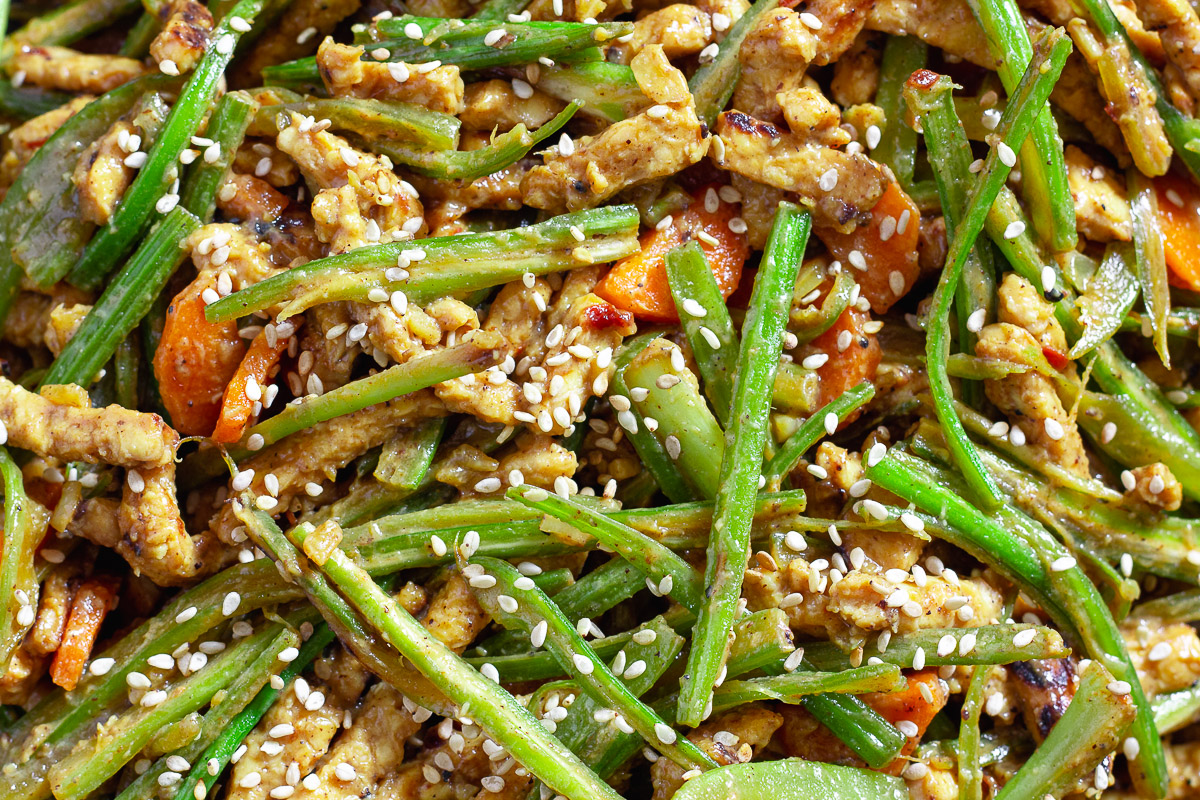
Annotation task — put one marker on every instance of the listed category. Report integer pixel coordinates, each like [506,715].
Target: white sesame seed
[344,771]
[1119,687]
[665,733]
[185,615]
[1062,564]
[230,604]
[1054,429]
[1007,156]
[1049,278]
[522,89]
[583,664]
[101,666]
[1014,229]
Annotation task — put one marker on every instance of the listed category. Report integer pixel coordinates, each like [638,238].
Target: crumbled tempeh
[362,201]
[562,358]
[1158,476]
[25,139]
[418,330]
[264,160]
[154,539]
[294,34]
[538,458]
[333,358]
[1076,93]
[315,730]
[841,23]
[856,73]
[54,603]
[753,725]
[682,30]
[658,142]
[112,435]
[938,783]
[948,24]
[578,10]
[1166,654]
[1179,28]
[346,74]
[72,71]
[101,175]
[762,152]
[1101,210]
[495,105]
[774,57]
[61,324]
[856,604]
[454,616]
[1021,304]
[184,36]
[809,114]
[1029,398]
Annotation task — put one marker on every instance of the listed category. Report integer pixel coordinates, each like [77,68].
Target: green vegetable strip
[577,657]
[1179,607]
[27,102]
[950,159]
[686,428]
[654,559]
[138,206]
[125,301]
[461,359]
[126,363]
[498,10]
[650,450]
[602,745]
[1043,168]
[812,429]
[970,772]
[466,165]
[792,779]
[226,129]
[608,92]
[3,19]
[741,464]
[86,768]
[137,41]
[358,636]
[713,83]
[611,583]
[16,560]
[1090,728]
[691,278]
[1111,293]
[791,687]
[993,645]
[1021,550]
[406,458]
[451,265]
[238,728]
[493,708]
[902,56]
[1027,101]
[463,44]
[243,689]
[1175,710]
[1151,258]
[374,119]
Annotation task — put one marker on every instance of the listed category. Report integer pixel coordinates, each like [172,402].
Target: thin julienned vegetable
[741,463]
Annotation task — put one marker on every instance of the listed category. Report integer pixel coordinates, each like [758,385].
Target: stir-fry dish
[599,399]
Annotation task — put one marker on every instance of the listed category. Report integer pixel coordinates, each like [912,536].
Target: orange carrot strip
[1179,213]
[95,598]
[910,705]
[236,405]
[887,246]
[638,283]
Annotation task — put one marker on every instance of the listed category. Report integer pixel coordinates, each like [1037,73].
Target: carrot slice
[887,246]
[1179,214]
[638,283]
[236,405]
[195,360]
[846,367]
[909,704]
[94,599]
